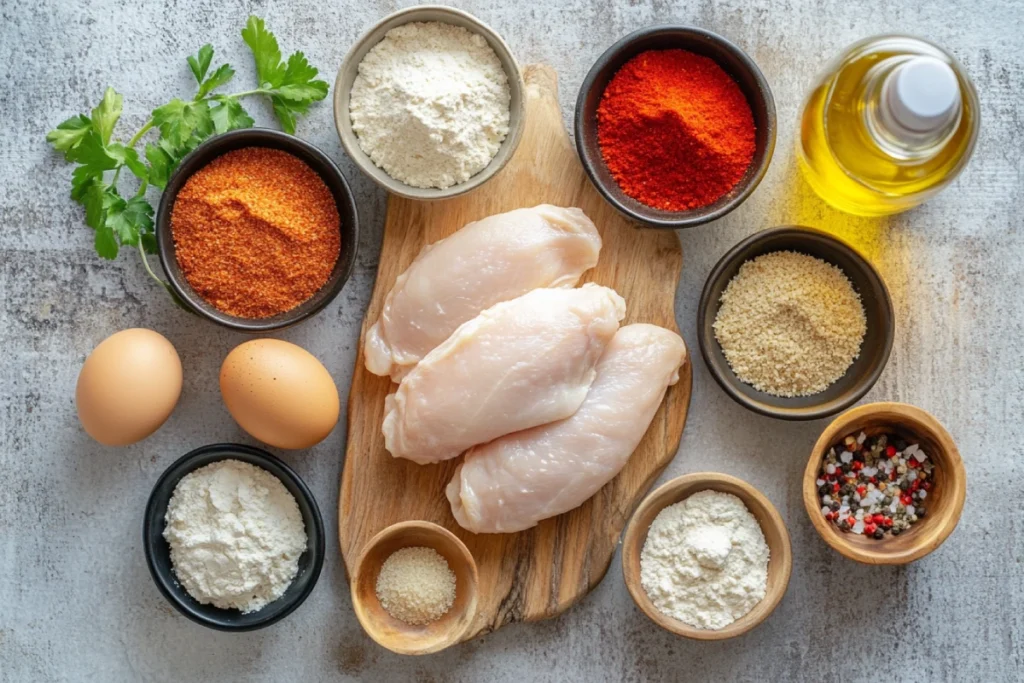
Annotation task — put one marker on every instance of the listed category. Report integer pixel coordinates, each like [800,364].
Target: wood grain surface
[541,572]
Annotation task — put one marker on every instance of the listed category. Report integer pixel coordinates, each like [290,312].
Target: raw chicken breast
[519,364]
[514,482]
[491,260]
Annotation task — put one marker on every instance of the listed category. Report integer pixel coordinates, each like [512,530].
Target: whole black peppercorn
[879,533]
[824,489]
[895,531]
[920,512]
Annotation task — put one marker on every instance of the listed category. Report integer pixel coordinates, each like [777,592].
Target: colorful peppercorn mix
[875,485]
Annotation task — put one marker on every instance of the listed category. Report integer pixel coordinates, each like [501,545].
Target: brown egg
[128,386]
[279,393]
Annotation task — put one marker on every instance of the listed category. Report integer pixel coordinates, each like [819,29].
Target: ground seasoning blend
[675,130]
[256,232]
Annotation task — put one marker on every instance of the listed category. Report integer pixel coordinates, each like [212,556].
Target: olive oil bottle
[890,123]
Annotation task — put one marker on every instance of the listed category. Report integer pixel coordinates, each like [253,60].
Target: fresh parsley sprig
[87,141]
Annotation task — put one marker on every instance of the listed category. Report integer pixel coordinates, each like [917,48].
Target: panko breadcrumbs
[790,324]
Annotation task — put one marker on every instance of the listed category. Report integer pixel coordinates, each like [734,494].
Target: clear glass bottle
[889,124]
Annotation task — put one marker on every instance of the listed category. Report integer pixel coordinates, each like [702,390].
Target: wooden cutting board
[541,572]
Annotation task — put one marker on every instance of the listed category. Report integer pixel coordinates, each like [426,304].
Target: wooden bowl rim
[913,419]
[634,539]
[411,647]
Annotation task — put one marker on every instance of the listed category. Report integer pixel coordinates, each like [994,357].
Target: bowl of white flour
[233,537]
[706,556]
[429,102]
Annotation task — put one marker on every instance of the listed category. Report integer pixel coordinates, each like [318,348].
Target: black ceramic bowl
[319,162]
[874,352]
[158,551]
[733,61]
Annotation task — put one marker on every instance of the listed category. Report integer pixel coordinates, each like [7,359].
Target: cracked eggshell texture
[128,386]
[279,393]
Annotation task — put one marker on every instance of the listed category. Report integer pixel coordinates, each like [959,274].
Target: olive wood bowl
[945,499]
[780,562]
[392,633]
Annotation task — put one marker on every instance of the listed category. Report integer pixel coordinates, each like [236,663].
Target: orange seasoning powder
[675,130]
[256,232]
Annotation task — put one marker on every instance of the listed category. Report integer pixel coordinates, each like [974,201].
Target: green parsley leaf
[130,158]
[130,220]
[179,120]
[140,213]
[82,179]
[201,63]
[229,115]
[149,245]
[160,165]
[90,152]
[69,133]
[285,114]
[106,114]
[219,77]
[106,243]
[269,69]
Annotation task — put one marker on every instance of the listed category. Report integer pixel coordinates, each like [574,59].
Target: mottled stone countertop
[76,599]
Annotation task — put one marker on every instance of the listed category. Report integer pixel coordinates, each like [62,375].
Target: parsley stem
[142,131]
[145,262]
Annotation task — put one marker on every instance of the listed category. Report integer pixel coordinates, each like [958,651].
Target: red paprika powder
[675,130]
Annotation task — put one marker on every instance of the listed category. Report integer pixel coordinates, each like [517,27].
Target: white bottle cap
[923,94]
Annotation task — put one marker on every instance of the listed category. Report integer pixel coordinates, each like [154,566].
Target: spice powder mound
[675,130]
[256,232]
[790,324]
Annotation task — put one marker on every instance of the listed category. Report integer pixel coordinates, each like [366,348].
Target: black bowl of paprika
[264,192]
[675,126]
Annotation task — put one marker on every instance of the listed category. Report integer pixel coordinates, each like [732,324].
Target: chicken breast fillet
[488,261]
[514,482]
[519,364]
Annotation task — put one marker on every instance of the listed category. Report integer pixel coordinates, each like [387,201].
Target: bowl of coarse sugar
[257,230]
[795,323]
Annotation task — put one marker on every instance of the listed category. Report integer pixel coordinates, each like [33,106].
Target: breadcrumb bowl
[392,633]
[874,351]
[780,563]
[945,499]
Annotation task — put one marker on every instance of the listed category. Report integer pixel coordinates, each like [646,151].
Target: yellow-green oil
[847,156]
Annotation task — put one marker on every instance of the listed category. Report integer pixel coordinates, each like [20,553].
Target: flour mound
[705,561]
[430,104]
[236,535]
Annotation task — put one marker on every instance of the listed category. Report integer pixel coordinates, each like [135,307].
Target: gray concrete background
[76,600]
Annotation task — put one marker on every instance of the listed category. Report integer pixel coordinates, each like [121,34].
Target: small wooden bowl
[945,500]
[395,634]
[780,562]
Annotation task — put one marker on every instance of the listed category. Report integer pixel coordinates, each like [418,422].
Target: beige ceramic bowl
[394,634]
[350,68]
[780,562]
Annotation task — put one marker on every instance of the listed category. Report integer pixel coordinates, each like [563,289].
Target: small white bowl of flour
[233,538]
[706,556]
[429,103]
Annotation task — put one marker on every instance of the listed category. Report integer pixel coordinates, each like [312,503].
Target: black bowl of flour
[158,551]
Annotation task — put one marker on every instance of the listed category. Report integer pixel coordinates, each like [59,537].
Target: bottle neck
[901,119]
